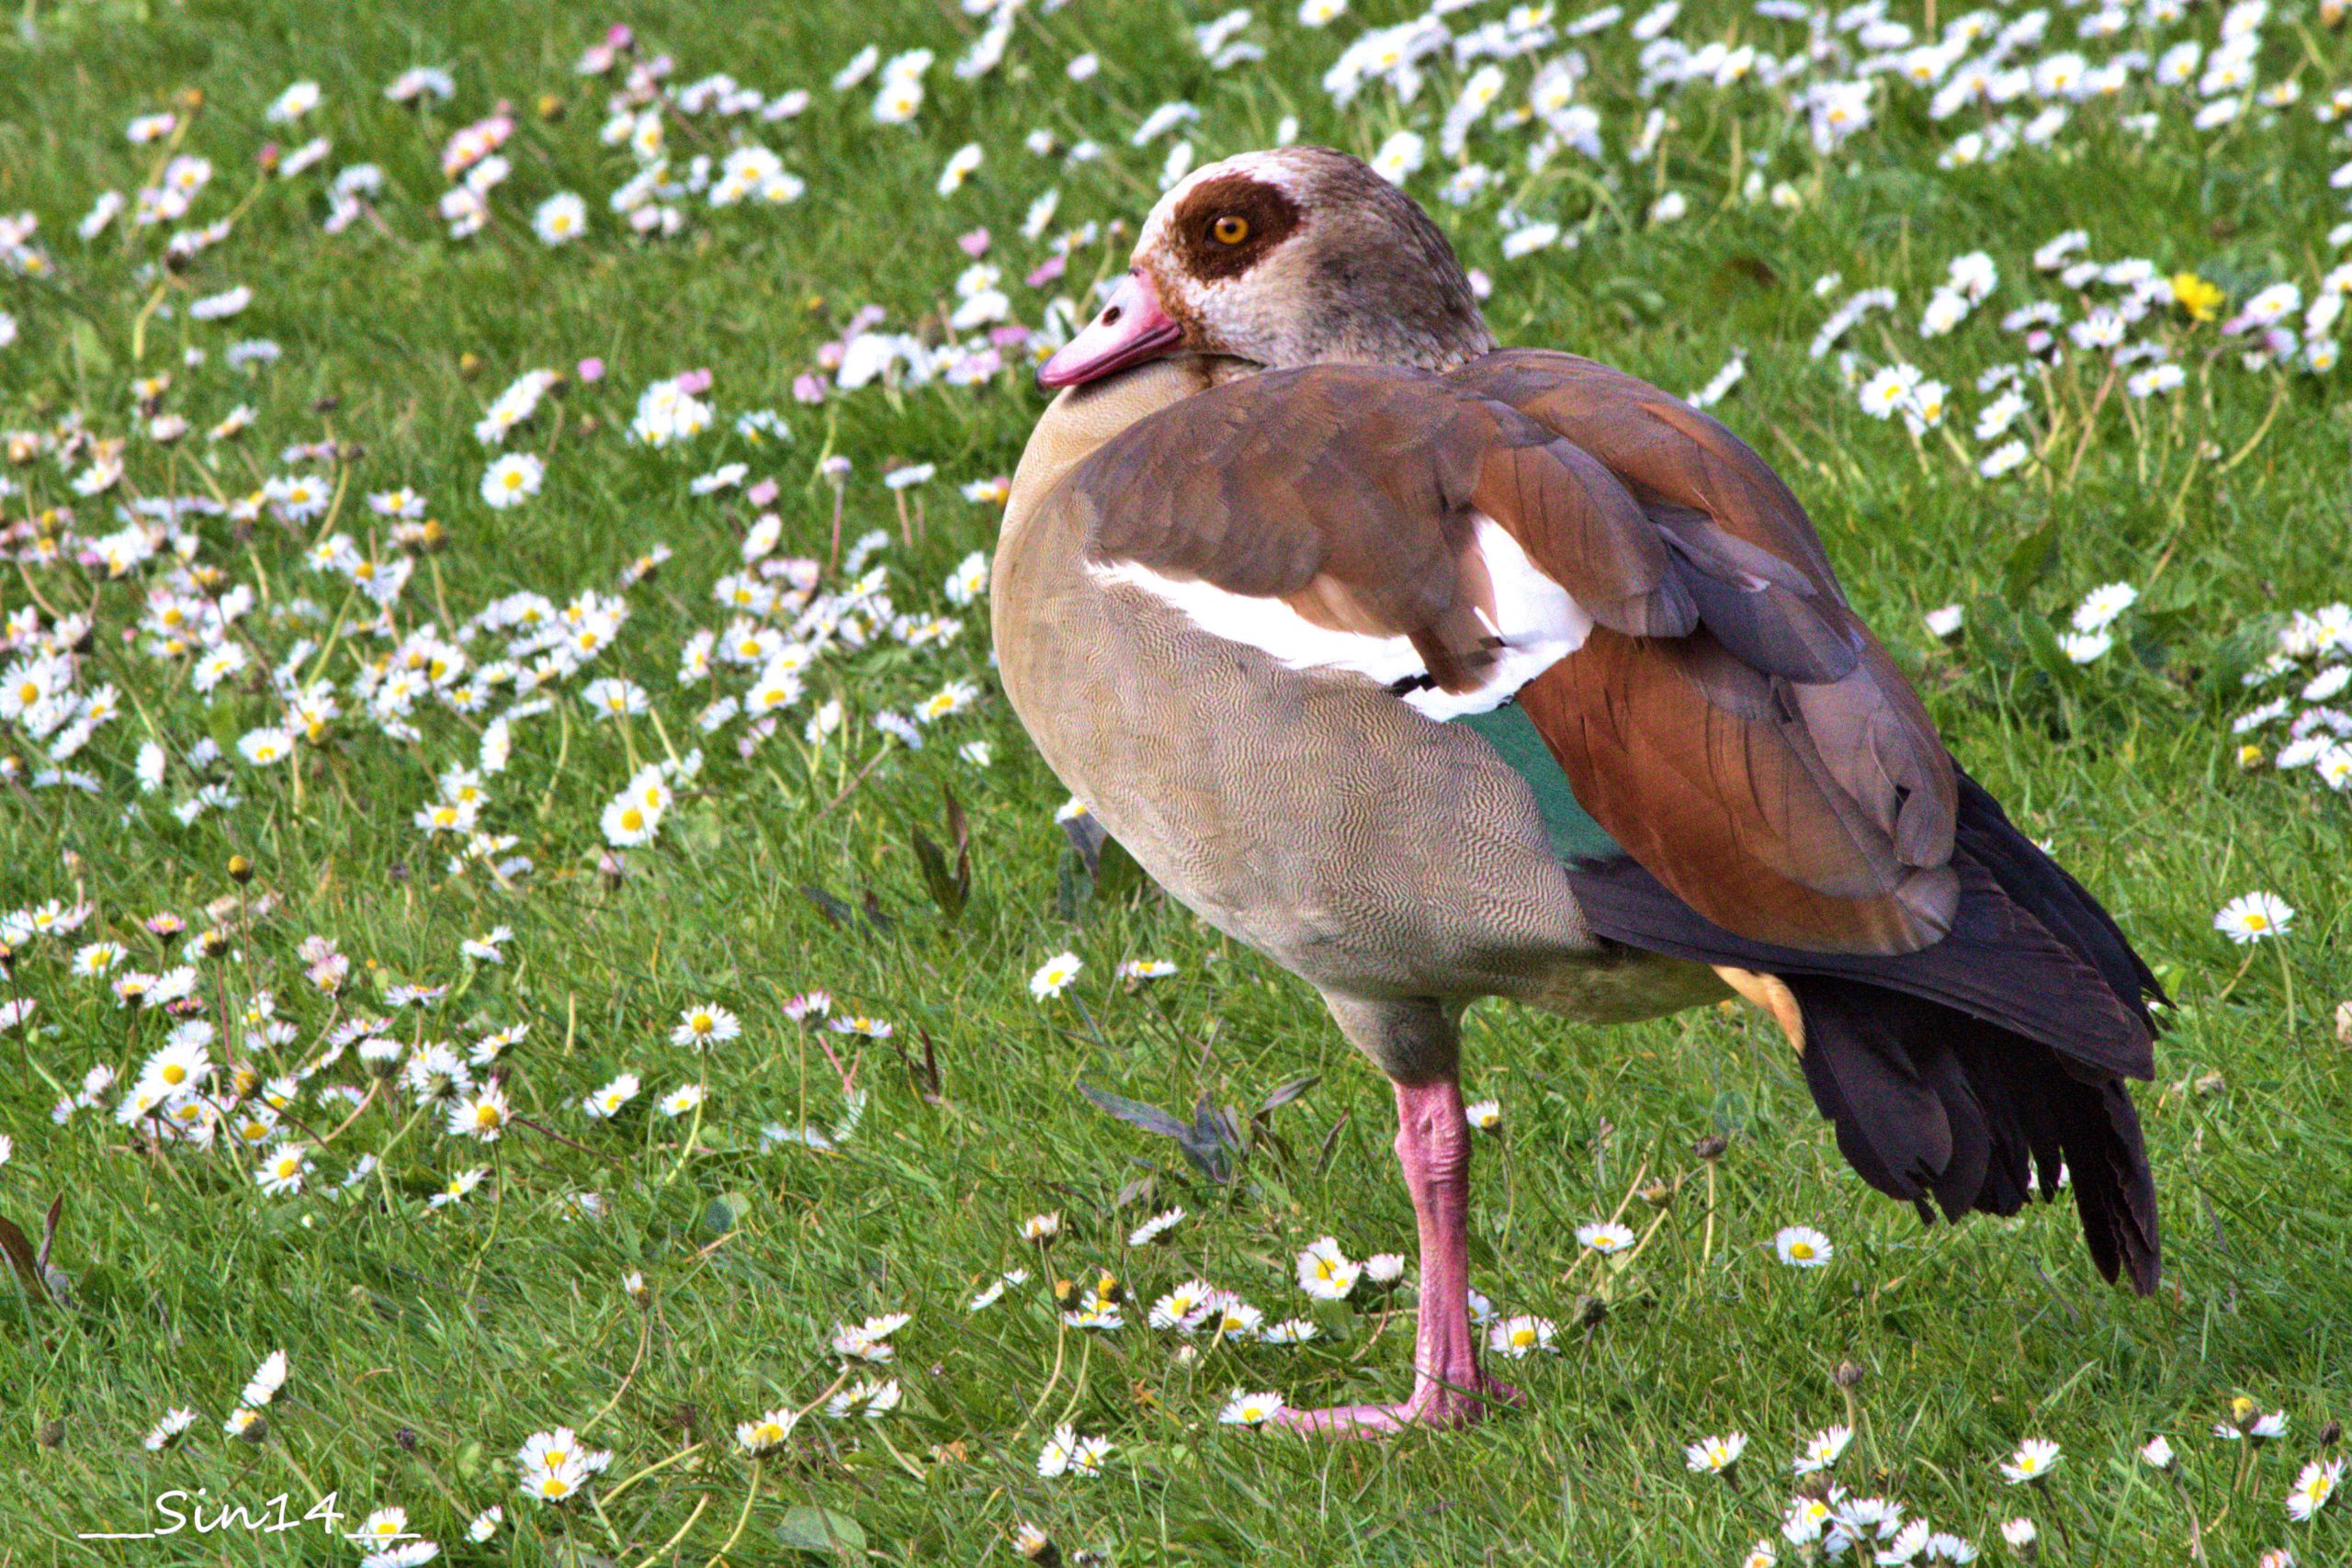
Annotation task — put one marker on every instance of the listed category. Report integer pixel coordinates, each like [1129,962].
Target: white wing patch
[1536,621]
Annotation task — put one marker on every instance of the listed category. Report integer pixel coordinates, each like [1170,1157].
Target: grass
[426,1344]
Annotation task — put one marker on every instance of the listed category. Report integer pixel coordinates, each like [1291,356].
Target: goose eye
[1230,229]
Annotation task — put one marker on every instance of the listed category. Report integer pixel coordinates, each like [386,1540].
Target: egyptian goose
[1435,671]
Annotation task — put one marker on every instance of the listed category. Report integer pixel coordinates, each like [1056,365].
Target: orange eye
[1230,229]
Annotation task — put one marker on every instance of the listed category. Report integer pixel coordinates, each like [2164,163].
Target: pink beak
[1131,329]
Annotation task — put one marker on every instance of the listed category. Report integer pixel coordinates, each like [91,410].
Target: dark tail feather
[2035,882]
[1931,1103]
[1958,1074]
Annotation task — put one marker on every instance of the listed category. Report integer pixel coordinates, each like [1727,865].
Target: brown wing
[1727,720]
[1814,813]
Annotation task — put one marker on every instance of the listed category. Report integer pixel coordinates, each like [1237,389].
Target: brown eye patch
[1204,226]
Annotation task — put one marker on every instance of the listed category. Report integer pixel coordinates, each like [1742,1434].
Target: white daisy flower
[1801,1246]
[2253,916]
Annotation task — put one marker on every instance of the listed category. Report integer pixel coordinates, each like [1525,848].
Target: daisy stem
[440,598]
[2057,421]
[12,1001]
[146,312]
[334,634]
[2090,428]
[497,1213]
[547,1132]
[213,484]
[2139,442]
[1643,1245]
[629,744]
[2287,978]
[368,1100]
[663,731]
[383,1181]
[34,589]
[1061,1342]
[2059,1519]
[1953,441]
[702,1501]
[2252,952]
[2277,398]
[2196,1531]
[1602,196]
[261,184]
[1511,1187]
[1856,1419]
[610,1533]
[1091,1027]
[2180,497]
[823,1394]
[693,1130]
[1707,1242]
[740,1520]
[909,1466]
[334,508]
[562,750]
[1077,1383]
[644,1339]
[660,1464]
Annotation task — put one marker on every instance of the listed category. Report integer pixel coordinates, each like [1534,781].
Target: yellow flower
[2201,300]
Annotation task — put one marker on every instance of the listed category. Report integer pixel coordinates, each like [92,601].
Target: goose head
[1297,256]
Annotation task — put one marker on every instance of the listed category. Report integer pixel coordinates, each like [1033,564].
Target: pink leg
[1433,1145]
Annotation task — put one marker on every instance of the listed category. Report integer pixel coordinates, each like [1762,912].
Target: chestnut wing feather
[1822,809]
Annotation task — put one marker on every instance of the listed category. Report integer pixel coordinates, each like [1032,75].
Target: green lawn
[426,1344]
